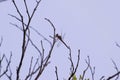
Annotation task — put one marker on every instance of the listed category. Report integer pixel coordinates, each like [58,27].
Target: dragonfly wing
[59,43]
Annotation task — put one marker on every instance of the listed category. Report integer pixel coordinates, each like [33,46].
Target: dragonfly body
[60,38]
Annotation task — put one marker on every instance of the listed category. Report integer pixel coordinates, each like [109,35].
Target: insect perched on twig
[61,39]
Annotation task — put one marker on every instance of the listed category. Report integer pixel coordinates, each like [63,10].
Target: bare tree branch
[7,66]
[26,7]
[116,68]
[1,60]
[83,74]
[25,30]
[111,77]
[34,70]
[92,70]
[1,41]
[46,60]
[10,72]
[117,44]
[56,73]
[73,68]
[30,67]
[35,30]
[21,16]
[102,78]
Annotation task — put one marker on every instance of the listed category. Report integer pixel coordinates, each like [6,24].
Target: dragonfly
[60,38]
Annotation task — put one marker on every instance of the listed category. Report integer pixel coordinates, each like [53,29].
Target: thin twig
[111,77]
[102,78]
[92,70]
[73,68]
[116,68]
[46,60]
[33,12]
[1,41]
[84,72]
[18,11]
[56,73]
[35,30]
[27,11]
[117,44]
[8,64]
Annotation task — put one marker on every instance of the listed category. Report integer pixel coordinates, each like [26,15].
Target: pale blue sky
[89,25]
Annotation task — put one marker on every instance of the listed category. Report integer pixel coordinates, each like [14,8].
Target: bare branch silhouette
[92,70]
[84,72]
[25,30]
[1,41]
[111,77]
[73,68]
[117,44]
[35,30]
[7,65]
[116,75]
[116,68]
[45,62]
[56,72]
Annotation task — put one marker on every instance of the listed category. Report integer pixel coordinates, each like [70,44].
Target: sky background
[89,25]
